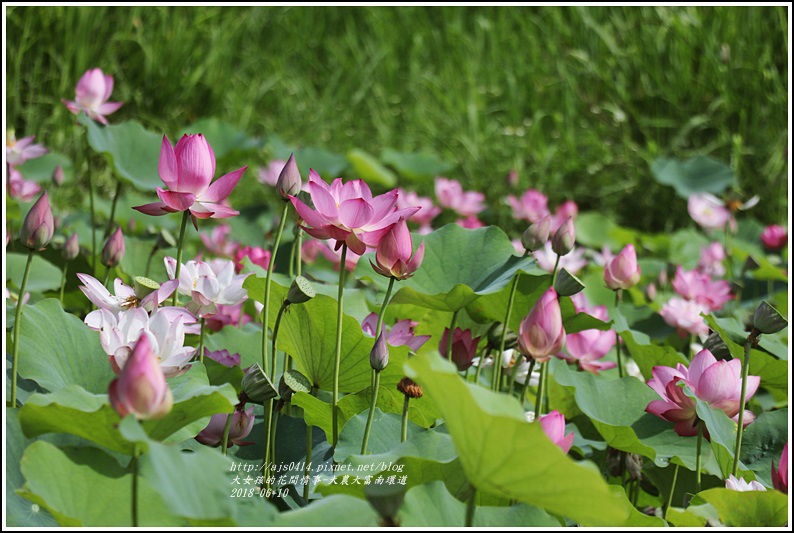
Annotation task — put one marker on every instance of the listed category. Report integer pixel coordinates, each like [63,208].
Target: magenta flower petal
[718,383]
[703,360]
[384,204]
[355,213]
[223,186]
[155,209]
[195,164]
[309,215]
[218,210]
[167,165]
[324,202]
[178,201]
[108,107]
[314,177]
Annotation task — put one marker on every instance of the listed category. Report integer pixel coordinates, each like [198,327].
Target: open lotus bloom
[780,475]
[348,213]
[427,210]
[208,284]
[684,315]
[573,262]
[587,347]
[218,242]
[92,94]
[18,187]
[118,335]
[708,211]
[541,334]
[553,425]
[464,347]
[711,260]
[187,170]
[400,334]
[739,484]
[532,206]
[141,388]
[697,286]
[124,297]
[240,428]
[451,195]
[395,257]
[19,151]
[718,383]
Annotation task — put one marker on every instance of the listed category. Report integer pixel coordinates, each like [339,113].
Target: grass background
[578,100]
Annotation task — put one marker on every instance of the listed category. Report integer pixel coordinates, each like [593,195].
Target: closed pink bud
[553,425]
[38,227]
[71,249]
[289,181]
[780,475]
[541,334]
[379,355]
[622,272]
[240,428]
[393,256]
[141,389]
[113,252]
[774,237]
[464,347]
[58,175]
[536,235]
[563,241]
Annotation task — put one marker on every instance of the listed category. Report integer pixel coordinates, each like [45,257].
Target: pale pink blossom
[696,286]
[451,195]
[240,428]
[740,485]
[19,151]
[208,284]
[553,424]
[400,334]
[587,348]
[218,242]
[427,209]
[684,315]
[711,260]
[532,206]
[18,187]
[708,211]
[573,262]
[92,94]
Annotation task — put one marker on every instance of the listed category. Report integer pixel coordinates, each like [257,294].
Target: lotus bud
[379,356]
[144,286]
[71,249]
[409,388]
[767,320]
[622,272]
[113,251]
[464,347]
[651,292]
[141,388]
[300,291]
[541,334]
[57,175]
[567,284]
[536,235]
[256,386]
[38,227]
[563,241]
[289,181]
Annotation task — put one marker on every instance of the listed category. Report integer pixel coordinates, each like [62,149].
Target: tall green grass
[578,99]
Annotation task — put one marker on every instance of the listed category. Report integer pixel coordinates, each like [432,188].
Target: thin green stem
[299,252]
[617,337]
[526,382]
[270,426]
[497,369]
[480,364]
[226,428]
[383,307]
[134,510]
[276,326]
[308,469]
[338,352]
[17,324]
[113,209]
[107,277]
[373,403]
[266,309]
[698,458]
[448,355]
[266,455]
[273,431]
[291,268]
[63,281]
[179,246]
[404,432]
[742,402]
[539,398]
[728,250]
[545,391]
[470,506]
[93,218]
[672,490]
[554,272]
[201,342]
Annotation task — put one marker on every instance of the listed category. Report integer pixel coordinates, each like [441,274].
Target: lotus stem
[523,397]
[698,458]
[113,209]
[497,369]
[179,247]
[448,355]
[63,281]
[226,429]
[672,490]
[743,400]
[17,324]
[470,507]
[338,352]
[404,430]
[618,298]
[371,413]
[201,342]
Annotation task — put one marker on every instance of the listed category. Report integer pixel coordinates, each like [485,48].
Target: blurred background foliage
[578,100]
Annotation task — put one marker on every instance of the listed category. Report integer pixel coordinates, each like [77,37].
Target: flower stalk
[17,324]
[180,245]
[338,350]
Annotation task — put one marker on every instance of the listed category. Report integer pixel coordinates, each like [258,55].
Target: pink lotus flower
[311,249]
[19,151]
[553,425]
[141,389]
[572,262]
[227,315]
[223,357]
[92,94]
[563,212]
[581,305]
[450,194]
[718,383]
[684,315]
[18,187]
[289,179]
[464,347]
[208,284]
[218,242]
[37,229]
[623,272]
[242,423]
[113,251]
[774,237]
[587,347]
[708,211]
[124,297]
[696,286]
[711,260]
[255,254]
[780,476]
[71,249]
[427,210]
[604,257]
[394,254]
[119,333]
[187,171]
[470,222]
[400,334]
[541,334]
[58,176]
[739,484]
[348,213]
[532,206]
